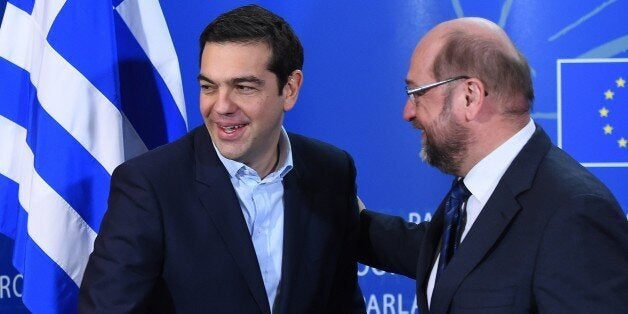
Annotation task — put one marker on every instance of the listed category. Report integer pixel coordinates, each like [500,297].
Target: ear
[475,96]
[291,89]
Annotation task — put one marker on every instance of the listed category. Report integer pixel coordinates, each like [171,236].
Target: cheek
[204,106]
[424,116]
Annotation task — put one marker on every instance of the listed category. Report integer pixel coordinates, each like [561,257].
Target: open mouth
[232,128]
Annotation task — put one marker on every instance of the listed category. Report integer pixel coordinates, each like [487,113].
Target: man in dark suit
[238,216]
[525,229]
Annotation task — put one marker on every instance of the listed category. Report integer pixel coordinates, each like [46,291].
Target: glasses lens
[414,98]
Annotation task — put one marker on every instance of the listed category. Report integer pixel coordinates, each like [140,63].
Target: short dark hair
[505,75]
[252,23]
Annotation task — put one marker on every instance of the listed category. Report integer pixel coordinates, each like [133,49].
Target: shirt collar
[285,159]
[482,179]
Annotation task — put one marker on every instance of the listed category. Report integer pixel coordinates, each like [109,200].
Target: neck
[271,167]
[489,138]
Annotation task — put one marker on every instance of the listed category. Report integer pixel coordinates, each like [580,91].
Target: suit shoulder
[562,185]
[566,175]
[313,147]
[168,156]
[322,162]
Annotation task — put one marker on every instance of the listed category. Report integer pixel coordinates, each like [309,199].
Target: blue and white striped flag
[84,85]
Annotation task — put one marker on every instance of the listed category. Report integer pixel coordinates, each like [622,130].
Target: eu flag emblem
[593,111]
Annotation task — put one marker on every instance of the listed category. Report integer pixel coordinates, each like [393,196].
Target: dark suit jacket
[550,239]
[174,237]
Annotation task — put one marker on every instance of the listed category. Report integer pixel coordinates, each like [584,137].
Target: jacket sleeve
[123,270]
[390,243]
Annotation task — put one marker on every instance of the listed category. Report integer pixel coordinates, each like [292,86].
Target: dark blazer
[550,239]
[174,237]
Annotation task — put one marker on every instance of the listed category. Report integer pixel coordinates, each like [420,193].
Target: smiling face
[240,101]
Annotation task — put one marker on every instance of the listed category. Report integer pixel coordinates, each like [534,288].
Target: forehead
[235,59]
[420,70]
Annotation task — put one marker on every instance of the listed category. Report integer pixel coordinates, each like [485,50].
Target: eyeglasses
[421,90]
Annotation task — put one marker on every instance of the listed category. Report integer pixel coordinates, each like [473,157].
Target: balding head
[479,48]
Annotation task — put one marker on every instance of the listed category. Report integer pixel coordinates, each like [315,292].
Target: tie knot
[459,191]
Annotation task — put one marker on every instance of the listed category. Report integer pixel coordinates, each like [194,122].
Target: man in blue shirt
[238,216]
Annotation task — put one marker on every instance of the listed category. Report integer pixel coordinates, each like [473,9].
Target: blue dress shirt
[261,201]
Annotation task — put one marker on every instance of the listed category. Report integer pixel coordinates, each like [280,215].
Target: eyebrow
[248,79]
[202,77]
[237,80]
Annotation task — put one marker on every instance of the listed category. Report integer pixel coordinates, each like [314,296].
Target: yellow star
[603,112]
[608,129]
[622,142]
[620,82]
[608,94]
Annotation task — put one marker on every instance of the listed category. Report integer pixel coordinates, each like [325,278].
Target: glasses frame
[421,90]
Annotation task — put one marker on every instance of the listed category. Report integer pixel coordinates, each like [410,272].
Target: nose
[409,111]
[224,103]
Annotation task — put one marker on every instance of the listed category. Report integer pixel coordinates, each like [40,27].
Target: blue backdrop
[356,58]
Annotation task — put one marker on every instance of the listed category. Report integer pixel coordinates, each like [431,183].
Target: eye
[419,93]
[415,93]
[245,89]
[207,88]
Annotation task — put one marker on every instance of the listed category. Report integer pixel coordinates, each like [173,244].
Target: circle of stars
[605,112]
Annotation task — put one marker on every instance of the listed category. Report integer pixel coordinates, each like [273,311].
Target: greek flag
[84,85]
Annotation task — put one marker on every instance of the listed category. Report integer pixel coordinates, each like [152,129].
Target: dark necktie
[454,223]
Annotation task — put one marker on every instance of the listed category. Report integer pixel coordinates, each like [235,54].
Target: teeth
[231,129]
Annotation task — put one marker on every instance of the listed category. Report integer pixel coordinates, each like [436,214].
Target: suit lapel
[220,201]
[427,255]
[493,221]
[296,232]
[297,211]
